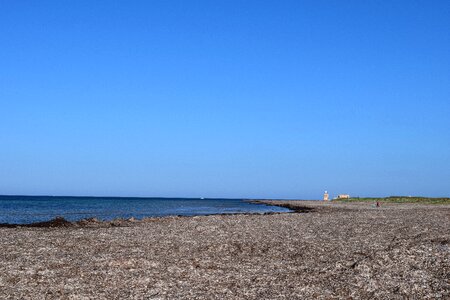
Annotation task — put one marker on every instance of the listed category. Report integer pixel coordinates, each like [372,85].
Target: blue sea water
[29,209]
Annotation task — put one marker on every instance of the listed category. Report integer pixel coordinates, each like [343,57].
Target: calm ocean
[28,209]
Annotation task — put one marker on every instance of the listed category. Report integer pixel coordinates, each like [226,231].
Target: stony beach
[323,251]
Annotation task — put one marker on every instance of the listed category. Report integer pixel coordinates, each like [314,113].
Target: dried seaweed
[339,250]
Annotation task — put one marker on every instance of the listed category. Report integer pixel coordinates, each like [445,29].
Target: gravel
[327,250]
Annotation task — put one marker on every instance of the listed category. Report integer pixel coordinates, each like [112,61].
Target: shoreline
[295,206]
[61,222]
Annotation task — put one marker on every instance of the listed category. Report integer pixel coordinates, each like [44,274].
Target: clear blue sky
[225,98]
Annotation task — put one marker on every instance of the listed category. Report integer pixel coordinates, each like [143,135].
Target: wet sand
[327,250]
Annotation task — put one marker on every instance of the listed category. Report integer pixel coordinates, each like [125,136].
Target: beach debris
[56,222]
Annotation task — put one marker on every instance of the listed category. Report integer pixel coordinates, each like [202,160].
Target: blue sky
[280,99]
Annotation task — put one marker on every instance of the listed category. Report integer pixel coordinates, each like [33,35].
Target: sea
[30,209]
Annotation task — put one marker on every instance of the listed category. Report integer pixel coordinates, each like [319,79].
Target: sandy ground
[335,251]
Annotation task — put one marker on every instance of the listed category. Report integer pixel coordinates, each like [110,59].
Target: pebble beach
[321,251]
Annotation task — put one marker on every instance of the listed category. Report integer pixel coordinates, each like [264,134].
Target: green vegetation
[399,199]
